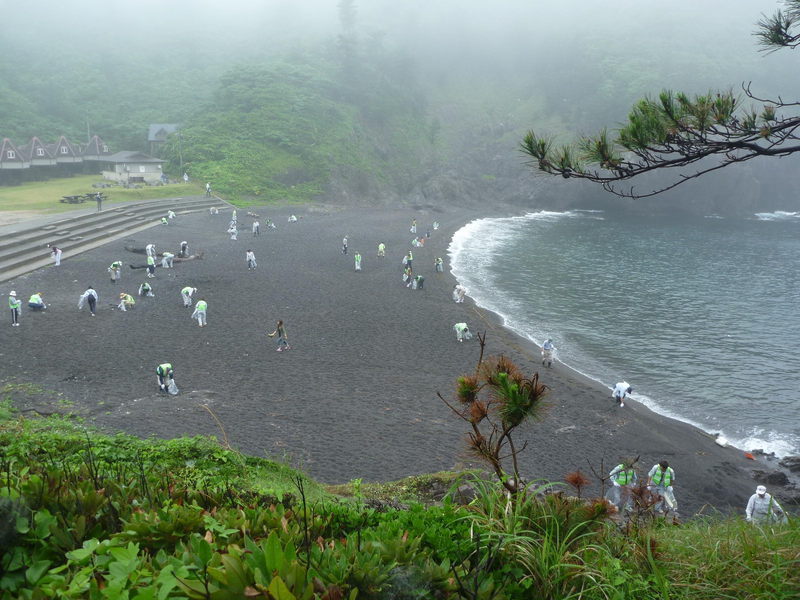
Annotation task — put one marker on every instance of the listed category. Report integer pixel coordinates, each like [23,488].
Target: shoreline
[356,396]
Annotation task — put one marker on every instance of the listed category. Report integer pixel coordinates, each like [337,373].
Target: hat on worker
[12,293]
[761,490]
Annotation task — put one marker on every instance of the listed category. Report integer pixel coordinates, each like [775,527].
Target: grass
[200,456]
[44,197]
[425,489]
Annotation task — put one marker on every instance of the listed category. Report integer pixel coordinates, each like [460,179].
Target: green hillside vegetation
[87,515]
[284,132]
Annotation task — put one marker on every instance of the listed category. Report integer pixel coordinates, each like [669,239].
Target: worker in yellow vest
[35,302]
[200,312]
[623,478]
[659,482]
[166,377]
[126,301]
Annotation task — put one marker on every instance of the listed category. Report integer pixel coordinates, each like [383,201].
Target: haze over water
[699,315]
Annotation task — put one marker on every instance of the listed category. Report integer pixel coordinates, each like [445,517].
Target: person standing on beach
[762,508]
[208,189]
[88,297]
[116,271]
[382,250]
[410,260]
[200,312]
[14,304]
[150,250]
[251,260]
[186,294]
[357,257]
[623,478]
[184,251]
[151,267]
[233,231]
[344,245]
[283,339]
[413,226]
[621,391]
[438,264]
[256,228]
[56,253]
[659,481]
[548,349]
[459,291]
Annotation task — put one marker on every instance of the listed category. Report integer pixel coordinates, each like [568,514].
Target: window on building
[64,149]
[105,148]
[10,154]
[142,168]
[40,152]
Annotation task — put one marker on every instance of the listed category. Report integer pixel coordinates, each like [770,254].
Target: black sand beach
[355,397]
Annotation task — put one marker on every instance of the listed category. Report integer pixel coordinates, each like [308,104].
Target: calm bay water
[699,315]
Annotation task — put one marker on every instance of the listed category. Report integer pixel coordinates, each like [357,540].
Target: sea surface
[699,315]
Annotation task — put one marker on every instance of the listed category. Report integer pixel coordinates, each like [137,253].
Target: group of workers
[761,507]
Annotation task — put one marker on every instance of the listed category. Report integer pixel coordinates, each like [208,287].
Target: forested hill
[378,102]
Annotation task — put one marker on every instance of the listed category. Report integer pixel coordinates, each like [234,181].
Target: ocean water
[699,315]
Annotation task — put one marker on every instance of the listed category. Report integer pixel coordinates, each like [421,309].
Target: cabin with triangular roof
[36,154]
[10,157]
[129,166]
[157,135]
[95,150]
[64,151]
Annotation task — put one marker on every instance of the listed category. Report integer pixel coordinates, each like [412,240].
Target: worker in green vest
[35,302]
[14,304]
[186,294]
[200,312]
[659,482]
[126,301]
[165,374]
[151,266]
[146,290]
[116,271]
[623,478]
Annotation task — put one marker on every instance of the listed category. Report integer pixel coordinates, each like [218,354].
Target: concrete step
[10,238]
[17,263]
[38,241]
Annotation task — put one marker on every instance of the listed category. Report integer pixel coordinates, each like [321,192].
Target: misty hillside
[356,101]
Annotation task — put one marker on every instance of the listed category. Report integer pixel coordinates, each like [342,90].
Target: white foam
[778,215]
[490,235]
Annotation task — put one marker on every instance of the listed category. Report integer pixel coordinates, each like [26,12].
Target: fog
[526,42]
[566,66]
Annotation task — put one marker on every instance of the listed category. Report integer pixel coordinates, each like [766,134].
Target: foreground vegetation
[85,515]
